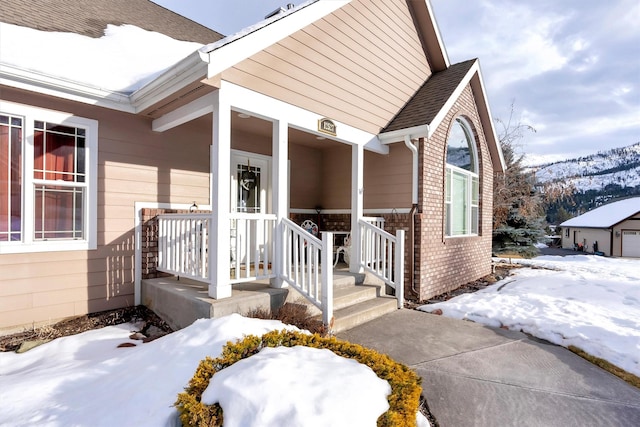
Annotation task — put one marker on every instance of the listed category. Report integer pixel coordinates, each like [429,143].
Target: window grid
[11,131]
[462,186]
[46,135]
[58,207]
[50,227]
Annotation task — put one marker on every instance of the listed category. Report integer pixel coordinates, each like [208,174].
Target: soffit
[262,129]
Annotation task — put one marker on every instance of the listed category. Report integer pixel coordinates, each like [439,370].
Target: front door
[250,191]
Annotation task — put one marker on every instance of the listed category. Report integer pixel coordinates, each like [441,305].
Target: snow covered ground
[591,302]
[85,380]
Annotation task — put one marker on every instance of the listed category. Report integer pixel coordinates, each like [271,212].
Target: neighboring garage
[610,230]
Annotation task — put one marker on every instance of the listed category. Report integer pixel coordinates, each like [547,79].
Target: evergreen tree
[518,220]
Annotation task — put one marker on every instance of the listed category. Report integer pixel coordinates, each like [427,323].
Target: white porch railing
[183,241]
[252,246]
[308,266]
[183,244]
[383,255]
[307,262]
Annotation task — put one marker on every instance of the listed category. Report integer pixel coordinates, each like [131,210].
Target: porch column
[219,234]
[357,189]
[280,141]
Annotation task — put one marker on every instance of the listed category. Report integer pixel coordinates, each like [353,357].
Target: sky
[570,68]
[588,301]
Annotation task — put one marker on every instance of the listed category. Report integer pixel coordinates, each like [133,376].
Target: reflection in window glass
[59,155]
[458,149]
[59,212]
[248,189]
[462,187]
[10,178]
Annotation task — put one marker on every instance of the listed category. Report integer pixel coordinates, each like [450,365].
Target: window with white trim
[48,180]
[462,189]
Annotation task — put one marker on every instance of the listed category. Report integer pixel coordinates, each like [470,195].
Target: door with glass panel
[250,177]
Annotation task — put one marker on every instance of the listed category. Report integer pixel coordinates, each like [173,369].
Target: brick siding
[443,264]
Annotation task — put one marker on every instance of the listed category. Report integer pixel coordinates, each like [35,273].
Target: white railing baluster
[327,279]
[383,254]
[305,257]
[183,245]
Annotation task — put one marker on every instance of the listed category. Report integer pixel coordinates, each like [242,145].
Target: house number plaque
[327,126]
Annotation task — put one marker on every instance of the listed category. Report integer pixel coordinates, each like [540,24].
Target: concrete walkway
[473,375]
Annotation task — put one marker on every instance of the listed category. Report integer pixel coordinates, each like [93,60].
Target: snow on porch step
[354,315]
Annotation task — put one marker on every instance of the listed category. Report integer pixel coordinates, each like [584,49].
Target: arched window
[461,182]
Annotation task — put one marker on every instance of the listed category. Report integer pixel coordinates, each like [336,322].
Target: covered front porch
[265,174]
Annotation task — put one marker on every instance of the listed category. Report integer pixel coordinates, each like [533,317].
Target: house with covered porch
[343,116]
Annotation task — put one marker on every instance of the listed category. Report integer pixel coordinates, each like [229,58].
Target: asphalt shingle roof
[423,107]
[90,17]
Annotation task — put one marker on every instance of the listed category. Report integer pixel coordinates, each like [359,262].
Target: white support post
[280,141]
[399,268]
[220,238]
[327,279]
[357,190]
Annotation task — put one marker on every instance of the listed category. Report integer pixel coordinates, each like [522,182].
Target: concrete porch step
[357,314]
[343,296]
[180,302]
[346,279]
[346,296]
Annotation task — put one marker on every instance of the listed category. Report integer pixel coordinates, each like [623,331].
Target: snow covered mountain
[618,167]
[589,182]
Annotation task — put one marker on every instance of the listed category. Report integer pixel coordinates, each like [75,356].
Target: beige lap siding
[358,65]
[135,164]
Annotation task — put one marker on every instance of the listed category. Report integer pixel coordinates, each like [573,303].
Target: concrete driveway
[473,375]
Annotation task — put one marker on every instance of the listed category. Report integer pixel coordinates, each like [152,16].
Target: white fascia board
[453,98]
[180,75]
[268,108]
[221,56]
[485,101]
[421,131]
[474,71]
[436,28]
[49,85]
[186,113]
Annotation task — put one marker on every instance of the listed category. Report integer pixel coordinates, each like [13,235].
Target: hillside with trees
[589,181]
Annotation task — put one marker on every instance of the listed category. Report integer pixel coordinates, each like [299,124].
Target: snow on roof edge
[606,216]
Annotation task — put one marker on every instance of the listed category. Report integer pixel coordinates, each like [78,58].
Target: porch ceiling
[262,129]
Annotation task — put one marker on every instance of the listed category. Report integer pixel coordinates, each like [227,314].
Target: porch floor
[181,302]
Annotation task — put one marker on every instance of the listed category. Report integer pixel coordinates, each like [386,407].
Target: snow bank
[85,380]
[298,379]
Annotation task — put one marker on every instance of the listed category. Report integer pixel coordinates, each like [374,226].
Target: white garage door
[631,243]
